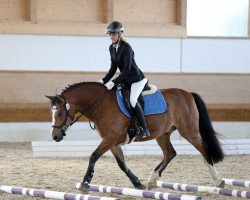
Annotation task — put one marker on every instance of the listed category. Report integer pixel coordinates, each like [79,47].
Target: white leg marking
[152,182]
[214,174]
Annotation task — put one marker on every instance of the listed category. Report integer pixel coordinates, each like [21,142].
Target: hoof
[140,187]
[151,185]
[84,187]
[221,184]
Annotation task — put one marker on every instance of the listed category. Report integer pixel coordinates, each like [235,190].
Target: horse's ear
[55,99]
[50,97]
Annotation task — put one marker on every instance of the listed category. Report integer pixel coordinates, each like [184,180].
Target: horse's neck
[87,98]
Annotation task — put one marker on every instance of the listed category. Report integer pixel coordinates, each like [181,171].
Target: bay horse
[186,112]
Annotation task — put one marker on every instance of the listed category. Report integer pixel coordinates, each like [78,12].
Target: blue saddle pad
[153,104]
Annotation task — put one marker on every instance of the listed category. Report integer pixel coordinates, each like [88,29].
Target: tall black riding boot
[144,131]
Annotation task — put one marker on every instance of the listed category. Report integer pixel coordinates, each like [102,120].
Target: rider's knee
[133,101]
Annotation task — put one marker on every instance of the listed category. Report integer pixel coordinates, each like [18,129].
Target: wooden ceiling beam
[181,12]
[249,18]
[110,11]
[32,11]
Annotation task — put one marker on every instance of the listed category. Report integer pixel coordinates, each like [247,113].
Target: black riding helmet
[114,27]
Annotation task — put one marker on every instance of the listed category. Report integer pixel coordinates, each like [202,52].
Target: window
[217,18]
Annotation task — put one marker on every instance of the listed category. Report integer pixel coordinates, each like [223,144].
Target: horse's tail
[209,136]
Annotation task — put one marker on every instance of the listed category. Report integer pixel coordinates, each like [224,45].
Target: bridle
[66,106]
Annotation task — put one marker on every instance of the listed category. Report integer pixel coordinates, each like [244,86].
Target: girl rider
[122,57]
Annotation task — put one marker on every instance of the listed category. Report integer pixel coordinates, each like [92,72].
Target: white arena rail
[86,147]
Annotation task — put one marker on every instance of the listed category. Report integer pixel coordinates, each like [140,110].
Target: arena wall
[89,17]
[46,45]
[90,53]
[34,65]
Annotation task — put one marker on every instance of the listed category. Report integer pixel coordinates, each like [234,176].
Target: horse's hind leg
[196,141]
[168,152]
[219,182]
[118,153]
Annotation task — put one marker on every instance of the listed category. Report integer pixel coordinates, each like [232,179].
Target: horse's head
[62,116]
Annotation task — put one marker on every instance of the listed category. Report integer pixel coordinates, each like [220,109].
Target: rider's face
[114,37]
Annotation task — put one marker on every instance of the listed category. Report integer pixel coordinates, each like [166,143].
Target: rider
[122,57]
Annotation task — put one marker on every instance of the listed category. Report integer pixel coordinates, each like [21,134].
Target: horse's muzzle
[58,137]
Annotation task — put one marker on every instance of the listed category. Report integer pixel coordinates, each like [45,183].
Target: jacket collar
[117,54]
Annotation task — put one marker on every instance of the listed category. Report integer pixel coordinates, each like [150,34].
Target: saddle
[151,100]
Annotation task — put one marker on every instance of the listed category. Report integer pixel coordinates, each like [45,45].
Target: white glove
[101,81]
[110,85]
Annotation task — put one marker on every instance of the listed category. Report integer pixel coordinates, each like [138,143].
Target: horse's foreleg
[103,147]
[118,153]
[168,152]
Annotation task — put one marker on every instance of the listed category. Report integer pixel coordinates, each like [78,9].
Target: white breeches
[136,89]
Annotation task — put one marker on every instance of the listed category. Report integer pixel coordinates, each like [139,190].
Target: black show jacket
[124,60]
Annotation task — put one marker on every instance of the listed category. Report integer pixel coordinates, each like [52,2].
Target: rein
[88,107]
[78,117]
